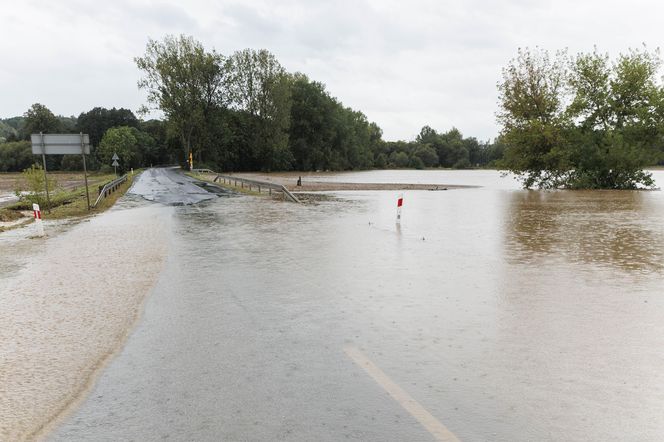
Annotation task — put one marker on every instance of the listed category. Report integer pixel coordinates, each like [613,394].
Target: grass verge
[69,203]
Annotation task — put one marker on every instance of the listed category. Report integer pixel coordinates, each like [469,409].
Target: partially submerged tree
[582,122]
[532,115]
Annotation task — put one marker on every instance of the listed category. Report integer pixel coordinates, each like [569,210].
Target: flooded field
[507,315]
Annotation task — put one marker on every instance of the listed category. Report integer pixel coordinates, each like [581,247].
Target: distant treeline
[143,143]
[237,113]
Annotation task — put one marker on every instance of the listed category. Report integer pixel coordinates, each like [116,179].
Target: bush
[34,179]
[399,159]
[105,169]
[416,162]
[71,162]
[15,156]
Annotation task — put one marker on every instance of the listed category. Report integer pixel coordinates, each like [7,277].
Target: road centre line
[426,419]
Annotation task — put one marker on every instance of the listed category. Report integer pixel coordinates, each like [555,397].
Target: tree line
[246,112]
[111,130]
[319,139]
[235,113]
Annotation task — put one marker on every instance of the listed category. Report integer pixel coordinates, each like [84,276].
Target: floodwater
[507,315]
[67,302]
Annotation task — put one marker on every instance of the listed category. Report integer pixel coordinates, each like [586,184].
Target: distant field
[65,181]
[12,181]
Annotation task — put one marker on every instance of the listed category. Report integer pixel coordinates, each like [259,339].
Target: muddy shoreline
[313,183]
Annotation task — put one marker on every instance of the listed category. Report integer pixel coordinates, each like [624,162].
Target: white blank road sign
[60,144]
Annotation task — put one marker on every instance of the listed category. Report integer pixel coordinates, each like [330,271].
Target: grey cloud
[404,64]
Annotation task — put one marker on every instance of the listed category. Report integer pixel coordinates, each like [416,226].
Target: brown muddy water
[67,302]
[507,315]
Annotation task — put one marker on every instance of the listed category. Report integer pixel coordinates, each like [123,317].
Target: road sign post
[115,163]
[85,170]
[43,154]
[61,144]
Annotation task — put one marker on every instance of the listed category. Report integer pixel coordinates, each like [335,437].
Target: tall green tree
[615,107]
[121,141]
[260,86]
[15,156]
[184,81]
[533,117]
[39,118]
[98,120]
[311,128]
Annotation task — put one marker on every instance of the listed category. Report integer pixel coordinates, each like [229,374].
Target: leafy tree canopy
[582,121]
[40,119]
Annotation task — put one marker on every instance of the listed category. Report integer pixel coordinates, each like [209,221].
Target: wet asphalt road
[169,186]
[234,344]
[505,315]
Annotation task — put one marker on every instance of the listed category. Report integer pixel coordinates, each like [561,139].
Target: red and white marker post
[399,204]
[38,219]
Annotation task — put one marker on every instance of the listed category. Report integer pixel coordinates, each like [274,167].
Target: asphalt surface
[170,186]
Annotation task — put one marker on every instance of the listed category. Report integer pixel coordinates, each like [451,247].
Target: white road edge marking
[433,425]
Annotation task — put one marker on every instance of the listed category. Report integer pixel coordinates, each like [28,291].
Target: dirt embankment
[314,183]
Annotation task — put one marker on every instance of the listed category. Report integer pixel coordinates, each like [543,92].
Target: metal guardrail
[109,188]
[226,179]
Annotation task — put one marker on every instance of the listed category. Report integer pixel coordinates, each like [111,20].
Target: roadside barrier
[109,188]
[258,185]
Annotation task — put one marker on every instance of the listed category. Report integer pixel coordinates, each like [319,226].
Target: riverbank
[316,182]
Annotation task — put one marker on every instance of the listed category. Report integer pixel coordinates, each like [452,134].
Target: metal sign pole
[115,163]
[85,171]
[48,197]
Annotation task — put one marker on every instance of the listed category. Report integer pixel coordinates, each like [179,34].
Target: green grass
[71,203]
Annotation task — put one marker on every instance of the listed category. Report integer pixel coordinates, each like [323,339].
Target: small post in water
[399,204]
[38,219]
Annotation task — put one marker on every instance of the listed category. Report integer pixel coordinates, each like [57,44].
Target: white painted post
[38,219]
[399,204]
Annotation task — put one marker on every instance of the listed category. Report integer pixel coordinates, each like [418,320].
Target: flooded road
[506,315]
[170,187]
[67,302]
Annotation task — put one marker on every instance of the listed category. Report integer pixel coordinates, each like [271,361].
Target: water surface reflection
[621,229]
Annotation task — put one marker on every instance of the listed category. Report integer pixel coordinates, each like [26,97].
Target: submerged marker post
[399,204]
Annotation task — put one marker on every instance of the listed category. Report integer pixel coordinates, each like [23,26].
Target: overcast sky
[405,64]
